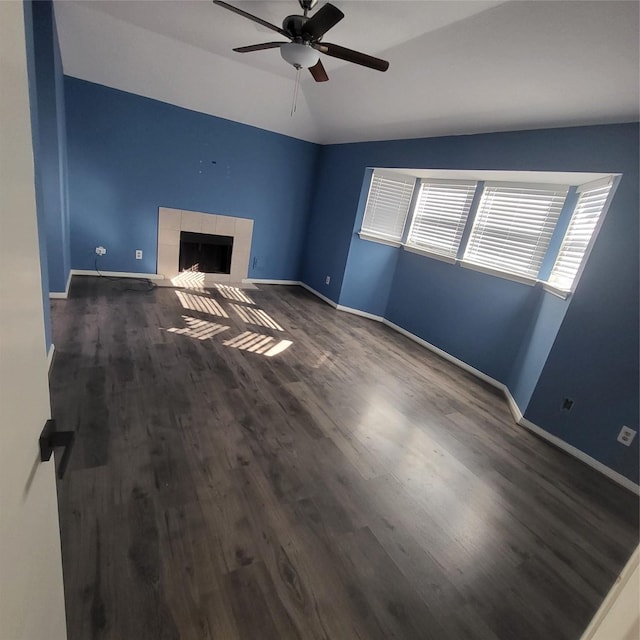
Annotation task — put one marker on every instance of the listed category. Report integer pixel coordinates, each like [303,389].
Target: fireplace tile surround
[172,221]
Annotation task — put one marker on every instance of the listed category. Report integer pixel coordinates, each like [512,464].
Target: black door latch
[51,439]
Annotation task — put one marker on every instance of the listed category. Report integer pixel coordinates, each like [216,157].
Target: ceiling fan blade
[258,47]
[326,17]
[250,16]
[318,72]
[336,51]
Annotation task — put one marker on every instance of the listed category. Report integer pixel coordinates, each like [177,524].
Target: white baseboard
[268,281]
[63,295]
[50,354]
[580,455]
[357,312]
[116,274]
[518,416]
[566,447]
[317,293]
[308,288]
[446,356]
[513,405]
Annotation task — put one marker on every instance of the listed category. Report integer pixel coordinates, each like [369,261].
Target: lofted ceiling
[456,66]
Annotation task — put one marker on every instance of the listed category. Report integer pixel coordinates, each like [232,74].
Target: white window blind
[514,225]
[440,216]
[388,205]
[577,239]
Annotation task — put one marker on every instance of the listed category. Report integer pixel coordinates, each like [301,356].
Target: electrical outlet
[327,280]
[100,251]
[626,435]
[138,254]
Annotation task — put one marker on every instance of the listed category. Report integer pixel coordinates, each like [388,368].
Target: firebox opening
[206,253]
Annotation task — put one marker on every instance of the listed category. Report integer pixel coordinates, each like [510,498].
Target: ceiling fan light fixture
[299,55]
[305,34]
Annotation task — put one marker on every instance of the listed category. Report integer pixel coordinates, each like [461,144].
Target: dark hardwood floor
[351,484]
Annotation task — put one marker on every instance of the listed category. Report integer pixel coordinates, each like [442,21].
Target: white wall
[31,591]
[100,48]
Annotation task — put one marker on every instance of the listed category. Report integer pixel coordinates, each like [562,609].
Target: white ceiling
[456,67]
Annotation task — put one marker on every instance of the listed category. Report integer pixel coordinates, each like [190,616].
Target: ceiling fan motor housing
[294,25]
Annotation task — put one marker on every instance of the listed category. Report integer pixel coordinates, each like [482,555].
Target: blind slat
[388,205]
[440,216]
[578,237]
[513,227]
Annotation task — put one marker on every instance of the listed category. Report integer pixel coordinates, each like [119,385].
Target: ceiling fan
[305,39]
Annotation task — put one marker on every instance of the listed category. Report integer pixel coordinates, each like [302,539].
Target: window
[591,202]
[388,205]
[440,216]
[513,226]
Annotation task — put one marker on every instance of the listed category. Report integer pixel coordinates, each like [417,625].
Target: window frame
[372,234]
[462,223]
[552,250]
[503,214]
[612,183]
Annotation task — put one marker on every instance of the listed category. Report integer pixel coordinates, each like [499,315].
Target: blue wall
[33,106]
[63,233]
[535,347]
[51,148]
[594,359]
[330,227]
[543,348]
[129,155]
[475,317]
[369,263]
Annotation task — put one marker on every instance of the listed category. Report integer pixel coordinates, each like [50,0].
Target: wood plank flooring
[227,484]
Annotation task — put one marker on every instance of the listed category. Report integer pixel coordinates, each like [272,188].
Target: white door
[31,593]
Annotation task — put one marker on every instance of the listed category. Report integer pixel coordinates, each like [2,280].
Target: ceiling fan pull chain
[295,92]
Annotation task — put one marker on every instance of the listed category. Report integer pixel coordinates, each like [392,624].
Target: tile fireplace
[201,229]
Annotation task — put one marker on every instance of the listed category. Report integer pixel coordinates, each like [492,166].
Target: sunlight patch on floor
[233,293]
[189,280]
[258,343]
[256,316]
[203,304]
[199,329]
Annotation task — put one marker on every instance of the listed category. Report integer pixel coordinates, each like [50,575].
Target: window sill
[555,291]
[379,239]
[531,282]
[505,275]
[429,254]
